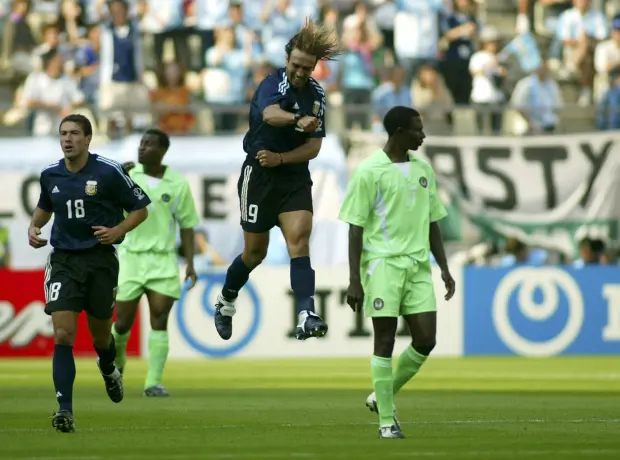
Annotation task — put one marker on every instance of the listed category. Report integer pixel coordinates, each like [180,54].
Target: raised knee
[63,337]
[424,345]
[253,257]
[102,342]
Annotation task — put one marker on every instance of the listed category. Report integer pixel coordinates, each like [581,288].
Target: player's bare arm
[436,243]
[274,115]
[355,292]
[111,235]
[309,151]
[38,221]
[187,244]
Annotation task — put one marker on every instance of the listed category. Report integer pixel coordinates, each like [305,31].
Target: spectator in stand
[590,252]
[518,253]
[18,42]
[164,20]
[432,99]
[608,110]
[260,70]
[209,14]
[169,99]
[391,92]
[580,29]
[121,68]
[51,95]
[416,34]
[607,55]
[384,17]
[538,99]
[51,40]
[281,22]
[488,77]
[225,78]
[72,22]
[460,30]
[87,64]
[361,17]
[243,33]
[357,76]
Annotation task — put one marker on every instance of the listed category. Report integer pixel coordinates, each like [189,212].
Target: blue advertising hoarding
[541,311]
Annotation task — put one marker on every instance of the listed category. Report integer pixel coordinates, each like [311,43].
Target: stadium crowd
[127,60]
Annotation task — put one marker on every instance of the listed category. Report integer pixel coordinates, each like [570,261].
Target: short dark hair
[81,120]
[398,117]
[316,40]
[162,137]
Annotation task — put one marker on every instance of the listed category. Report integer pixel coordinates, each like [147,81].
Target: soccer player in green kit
[393,210]
[148,257]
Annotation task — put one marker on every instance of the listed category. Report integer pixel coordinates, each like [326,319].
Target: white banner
[266,318]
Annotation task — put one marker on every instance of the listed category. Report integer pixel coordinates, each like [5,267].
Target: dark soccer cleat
[224,311]
[390,432]
[157,391]
[311,325]
[113,384]
[371,403]
[62,421]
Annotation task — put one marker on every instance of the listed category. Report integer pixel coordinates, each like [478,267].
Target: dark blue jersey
[96,195]
[275,89]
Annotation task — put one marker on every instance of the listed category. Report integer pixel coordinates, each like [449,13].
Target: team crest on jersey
[165,198]
[316,107]
[91,187]
[423,181]
[378,304]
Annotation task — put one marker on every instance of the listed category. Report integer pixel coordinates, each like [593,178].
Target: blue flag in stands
[524,48]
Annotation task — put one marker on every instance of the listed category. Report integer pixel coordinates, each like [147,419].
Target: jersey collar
[139,169]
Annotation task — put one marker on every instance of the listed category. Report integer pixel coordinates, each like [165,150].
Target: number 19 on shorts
[250,214]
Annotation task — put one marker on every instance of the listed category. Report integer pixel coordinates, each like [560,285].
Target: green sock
[383,383]
[158,354]
[408,365]
[121,347]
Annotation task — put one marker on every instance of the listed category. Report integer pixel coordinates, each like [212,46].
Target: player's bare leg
[296,227]
[63,368]
[103,340]
[382,378]
[254,251]
[423,327]
[126,312]
[159,307]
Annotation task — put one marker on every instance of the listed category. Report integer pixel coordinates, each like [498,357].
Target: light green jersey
[171,204]
[394,203]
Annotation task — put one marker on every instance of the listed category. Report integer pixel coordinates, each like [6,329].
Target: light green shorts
[152,271]
[397,286]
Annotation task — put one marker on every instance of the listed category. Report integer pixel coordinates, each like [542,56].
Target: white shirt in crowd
[607,53]
[61,92]
[483,90]
[538,100]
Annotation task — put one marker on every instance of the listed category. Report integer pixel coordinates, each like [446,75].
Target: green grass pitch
[472,408]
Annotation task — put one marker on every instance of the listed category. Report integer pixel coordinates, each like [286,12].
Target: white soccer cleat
[390,432]
[371,403]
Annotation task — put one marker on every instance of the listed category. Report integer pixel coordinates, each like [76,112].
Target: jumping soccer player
[87,194]
[148,256]
[287,125]
[393,208]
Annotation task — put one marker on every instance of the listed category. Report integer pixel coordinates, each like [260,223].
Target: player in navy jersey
[87,194]
[287,125]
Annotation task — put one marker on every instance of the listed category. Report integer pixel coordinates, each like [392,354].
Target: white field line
[311,425]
